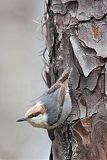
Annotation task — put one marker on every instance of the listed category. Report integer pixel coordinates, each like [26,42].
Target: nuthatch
[52,108]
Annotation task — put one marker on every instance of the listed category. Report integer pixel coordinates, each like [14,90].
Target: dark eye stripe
[34,114]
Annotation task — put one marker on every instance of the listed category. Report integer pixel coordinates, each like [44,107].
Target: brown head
[36,116]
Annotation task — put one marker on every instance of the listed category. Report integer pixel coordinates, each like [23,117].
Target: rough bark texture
[76,36]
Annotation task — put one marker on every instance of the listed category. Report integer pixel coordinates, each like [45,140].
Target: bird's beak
[22,119]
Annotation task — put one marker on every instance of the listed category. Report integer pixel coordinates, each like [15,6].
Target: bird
[52,108]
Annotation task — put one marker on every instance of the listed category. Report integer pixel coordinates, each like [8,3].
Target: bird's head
[37,116]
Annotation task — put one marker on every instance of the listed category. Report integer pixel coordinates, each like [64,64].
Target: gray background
[20,79]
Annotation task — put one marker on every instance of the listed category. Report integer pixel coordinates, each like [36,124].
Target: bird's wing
[60,81]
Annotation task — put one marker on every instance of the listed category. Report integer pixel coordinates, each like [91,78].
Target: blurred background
[20,79]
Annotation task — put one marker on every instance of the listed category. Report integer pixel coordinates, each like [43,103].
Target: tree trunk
[76,37]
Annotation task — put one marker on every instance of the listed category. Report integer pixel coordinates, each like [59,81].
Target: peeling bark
[76,36]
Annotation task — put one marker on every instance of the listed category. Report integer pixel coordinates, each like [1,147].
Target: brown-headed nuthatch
[52,108]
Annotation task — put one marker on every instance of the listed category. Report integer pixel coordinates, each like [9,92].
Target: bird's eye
[34,115]
[31,116]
